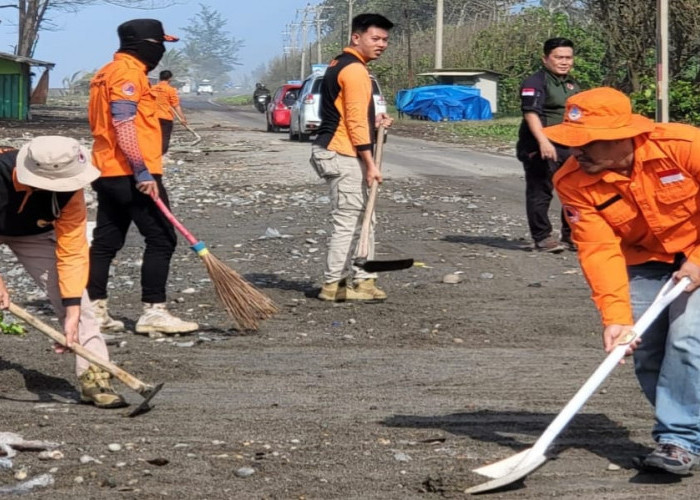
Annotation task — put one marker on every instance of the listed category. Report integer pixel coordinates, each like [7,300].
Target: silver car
[305,117]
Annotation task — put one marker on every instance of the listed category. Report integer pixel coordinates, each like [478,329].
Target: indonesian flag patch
[527,92]
[670,176]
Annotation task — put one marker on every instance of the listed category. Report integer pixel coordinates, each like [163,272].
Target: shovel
[375,266]
[145,390]
[518,466]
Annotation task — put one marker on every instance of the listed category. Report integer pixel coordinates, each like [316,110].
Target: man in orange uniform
[43,220]
[342,155]
[128,151]
[168,104]
[631,193]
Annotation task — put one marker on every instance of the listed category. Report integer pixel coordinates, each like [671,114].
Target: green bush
[683,101]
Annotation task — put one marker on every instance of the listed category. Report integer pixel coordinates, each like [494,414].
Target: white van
[305,115]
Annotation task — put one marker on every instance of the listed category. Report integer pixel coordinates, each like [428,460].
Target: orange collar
[354,52]
[123,56]
[18,185]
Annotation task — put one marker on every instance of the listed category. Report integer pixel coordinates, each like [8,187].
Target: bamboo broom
[244,304]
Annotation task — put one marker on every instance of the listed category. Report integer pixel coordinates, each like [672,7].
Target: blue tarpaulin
[443,103]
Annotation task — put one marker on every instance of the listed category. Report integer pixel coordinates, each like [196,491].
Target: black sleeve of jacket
[532,94]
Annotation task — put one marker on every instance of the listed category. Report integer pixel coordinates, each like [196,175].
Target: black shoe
[568,243]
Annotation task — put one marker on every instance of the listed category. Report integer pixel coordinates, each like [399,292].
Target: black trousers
[166,130]
[120,204]
[538,197]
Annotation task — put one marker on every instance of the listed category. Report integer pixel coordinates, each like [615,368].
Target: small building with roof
[483,79]
[16,82]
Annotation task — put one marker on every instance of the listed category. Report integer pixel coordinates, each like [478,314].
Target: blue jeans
[667,362]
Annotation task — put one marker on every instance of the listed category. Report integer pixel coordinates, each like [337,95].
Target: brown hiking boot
[95,388]
[365,290]
[333,292]
[549,245]
[107,323]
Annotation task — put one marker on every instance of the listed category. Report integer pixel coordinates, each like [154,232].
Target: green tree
[175,61]
[211,52]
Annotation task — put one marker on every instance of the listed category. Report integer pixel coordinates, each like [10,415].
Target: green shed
[15,84]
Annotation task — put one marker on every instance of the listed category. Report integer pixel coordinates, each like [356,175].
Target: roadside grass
[236,100]
[498,133]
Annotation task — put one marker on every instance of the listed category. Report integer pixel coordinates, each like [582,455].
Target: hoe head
[148,393]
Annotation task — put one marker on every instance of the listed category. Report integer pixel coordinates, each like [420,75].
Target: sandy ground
[397,400]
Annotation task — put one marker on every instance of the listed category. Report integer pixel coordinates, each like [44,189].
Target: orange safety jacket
[620,221]
[26,211]
[123,79]
[347,106]
[166,99]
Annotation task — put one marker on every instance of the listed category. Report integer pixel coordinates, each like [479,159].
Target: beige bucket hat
[55,163]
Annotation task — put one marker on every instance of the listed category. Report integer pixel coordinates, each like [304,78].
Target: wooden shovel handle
[57,336]
[371,199]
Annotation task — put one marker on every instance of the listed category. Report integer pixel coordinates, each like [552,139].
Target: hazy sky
[87,40]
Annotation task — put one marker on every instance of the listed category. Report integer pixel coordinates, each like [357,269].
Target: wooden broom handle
[372,198]
[57,336]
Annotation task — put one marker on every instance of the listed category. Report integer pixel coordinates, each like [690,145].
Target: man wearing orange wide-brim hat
[631,193]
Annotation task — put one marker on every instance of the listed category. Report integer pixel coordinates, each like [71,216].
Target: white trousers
[37,254]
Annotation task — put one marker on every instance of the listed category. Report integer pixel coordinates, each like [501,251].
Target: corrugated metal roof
[26,60]
[459,72]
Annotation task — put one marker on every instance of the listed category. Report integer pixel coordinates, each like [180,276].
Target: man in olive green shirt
[543,96]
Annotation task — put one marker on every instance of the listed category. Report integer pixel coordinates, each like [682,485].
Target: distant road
[403,156]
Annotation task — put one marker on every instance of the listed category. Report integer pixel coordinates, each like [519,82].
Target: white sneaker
[107,323]
[156,318]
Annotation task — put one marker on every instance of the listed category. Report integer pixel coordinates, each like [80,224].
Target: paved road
[403,157]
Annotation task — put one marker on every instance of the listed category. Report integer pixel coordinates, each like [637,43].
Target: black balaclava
[133,37]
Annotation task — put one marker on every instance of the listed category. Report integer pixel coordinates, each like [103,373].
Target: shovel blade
[378,266]
[511,475]
[502,467]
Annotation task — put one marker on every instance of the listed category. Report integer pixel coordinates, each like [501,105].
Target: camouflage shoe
[333,292]
[95,388]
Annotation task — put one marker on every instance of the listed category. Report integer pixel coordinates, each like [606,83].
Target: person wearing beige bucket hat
[631,193]
[43,221]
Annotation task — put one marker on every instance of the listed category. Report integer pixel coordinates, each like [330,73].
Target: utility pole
[662,61]
[285,48]
[304,29]
[350,3]
[438,33]
[319,11]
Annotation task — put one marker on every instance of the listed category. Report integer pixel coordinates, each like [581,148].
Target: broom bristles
[244,303]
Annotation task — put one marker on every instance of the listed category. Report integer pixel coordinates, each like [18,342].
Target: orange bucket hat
[601,114]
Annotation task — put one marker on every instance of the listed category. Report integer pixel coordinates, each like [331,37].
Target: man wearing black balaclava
[127,150]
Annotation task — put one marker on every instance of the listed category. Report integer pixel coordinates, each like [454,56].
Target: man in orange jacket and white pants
[631,193]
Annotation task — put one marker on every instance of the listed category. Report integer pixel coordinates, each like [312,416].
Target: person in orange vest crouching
[631,193]
[43,221]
